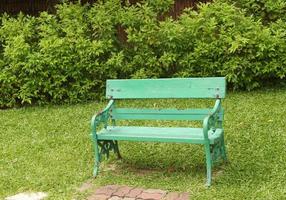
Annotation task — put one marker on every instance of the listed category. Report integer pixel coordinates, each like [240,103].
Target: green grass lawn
[49,149]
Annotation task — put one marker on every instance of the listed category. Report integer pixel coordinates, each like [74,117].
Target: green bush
[56,58]
[18,42]
[67,56]
[218,40]
[265,10]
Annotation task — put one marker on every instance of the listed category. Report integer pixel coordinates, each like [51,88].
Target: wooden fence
[33,7]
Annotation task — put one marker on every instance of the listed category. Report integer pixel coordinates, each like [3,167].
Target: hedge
[67,56]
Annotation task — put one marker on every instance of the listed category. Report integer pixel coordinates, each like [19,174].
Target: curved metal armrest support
[210,120]
[101,117]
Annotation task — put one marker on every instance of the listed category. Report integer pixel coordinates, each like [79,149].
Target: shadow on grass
[156,159]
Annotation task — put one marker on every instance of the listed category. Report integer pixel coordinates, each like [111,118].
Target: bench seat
[158,134]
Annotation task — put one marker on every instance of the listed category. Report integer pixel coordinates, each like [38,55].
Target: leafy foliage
[67,56]
[265,10]
[54,58]
[218,40]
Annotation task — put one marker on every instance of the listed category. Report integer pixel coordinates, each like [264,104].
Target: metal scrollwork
[107,146]
[102,118]
[216,151]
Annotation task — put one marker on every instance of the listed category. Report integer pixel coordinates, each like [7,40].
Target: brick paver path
[117,192]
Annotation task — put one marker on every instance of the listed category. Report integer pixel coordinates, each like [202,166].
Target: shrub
[217,40]
[267,11]
[18,41]
[67,56]
[55,58]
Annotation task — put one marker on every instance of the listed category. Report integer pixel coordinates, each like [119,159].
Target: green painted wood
[161,114]
[158,134]
[212,87]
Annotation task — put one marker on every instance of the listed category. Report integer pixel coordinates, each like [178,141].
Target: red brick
[122,191]
[115,198]
[151,196]
[172,196]
[107,190]
[98,197]
[134,192]
[155,191]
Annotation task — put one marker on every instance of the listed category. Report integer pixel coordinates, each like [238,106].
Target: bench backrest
[165,88]
[213,87]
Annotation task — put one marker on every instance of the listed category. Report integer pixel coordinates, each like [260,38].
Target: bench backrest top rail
[211,87]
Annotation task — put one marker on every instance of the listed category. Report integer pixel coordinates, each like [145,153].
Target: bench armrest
[101,117]
[210,121]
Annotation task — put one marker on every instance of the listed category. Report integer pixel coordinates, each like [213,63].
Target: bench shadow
[161,158]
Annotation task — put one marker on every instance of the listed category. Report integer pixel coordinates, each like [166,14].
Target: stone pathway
[28,196]
[116,192]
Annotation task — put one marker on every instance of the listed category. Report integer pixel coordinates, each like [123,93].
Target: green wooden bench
[211,135]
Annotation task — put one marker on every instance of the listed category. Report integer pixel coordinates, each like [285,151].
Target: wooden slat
[160,114]
[156,134]
[212,87]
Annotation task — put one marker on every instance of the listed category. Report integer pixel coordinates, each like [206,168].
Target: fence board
[33,7]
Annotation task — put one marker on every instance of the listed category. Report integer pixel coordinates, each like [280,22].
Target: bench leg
[223,149]
[116,149]
[97,158]
[209,164]
[102,148]
[108,145]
